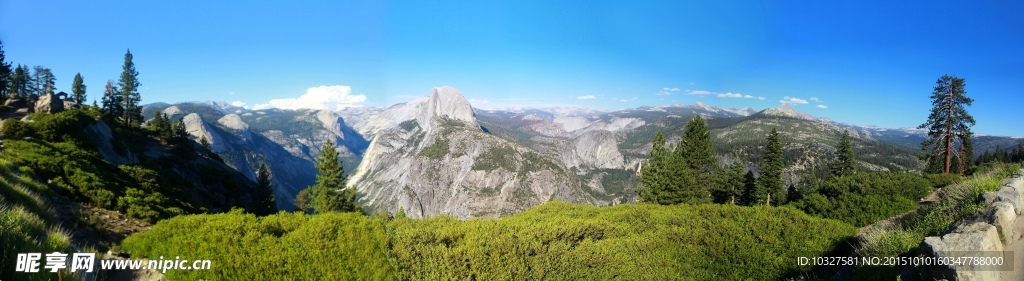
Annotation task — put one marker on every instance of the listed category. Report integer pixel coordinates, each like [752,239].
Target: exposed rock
[49,103]
[1002,215]
[977,239]
[455,168]
[103,136]
[15,102]
[173,112]
[1008,194]
[599,149]
[198,129]
[70,104]
[572,123]
[233,122]
[445,102]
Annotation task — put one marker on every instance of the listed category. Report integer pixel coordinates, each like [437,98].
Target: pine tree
[112,105]
[965,163]
[45,82]
[301,201]
[78,90]
[161,125]
[948,122]
[695,151]
[5,73]
[331,193]
[731,185]
[770,180]
[846,163]
[263,196]
[750,192]
[18,83]
[130,98]
[205,144]
[179,135]
[652,171]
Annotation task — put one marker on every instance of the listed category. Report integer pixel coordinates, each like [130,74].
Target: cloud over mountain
[323,97]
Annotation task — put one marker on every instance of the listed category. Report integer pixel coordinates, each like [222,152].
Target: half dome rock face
[445,102]
[441,163]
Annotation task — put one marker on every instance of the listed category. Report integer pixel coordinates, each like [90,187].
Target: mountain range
[438,155]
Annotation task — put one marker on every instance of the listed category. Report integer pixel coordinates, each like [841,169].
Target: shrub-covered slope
[555,240]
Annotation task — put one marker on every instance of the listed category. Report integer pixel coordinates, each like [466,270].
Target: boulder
[976,239]
[1002,215]
[70,104]
[49,103]
[14,103]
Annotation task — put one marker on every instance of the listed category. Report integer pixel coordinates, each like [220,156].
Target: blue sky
[869,63]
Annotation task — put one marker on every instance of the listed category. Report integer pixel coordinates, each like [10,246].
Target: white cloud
[673,90]
[238,103]
[760,98]
[691,83]
[324,97]
[814,99]
[587,97]
[664,93]
[476,102]
[748,97]
[231,93]
[789,100]
[730,95]
[822,106]
[699,92]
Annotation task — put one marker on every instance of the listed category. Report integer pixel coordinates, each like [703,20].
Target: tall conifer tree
[696,151]
[263,196]
[948,123]
[770,181]
[130,98]
[5,74]
[78,90]
[331,192]
[845,164]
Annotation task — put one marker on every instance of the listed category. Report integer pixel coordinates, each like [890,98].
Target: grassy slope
[553,241]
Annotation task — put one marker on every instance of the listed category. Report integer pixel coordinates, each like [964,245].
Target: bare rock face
[103,136]
[233,122]
[454,168]
[198,129]
[445,102]
[599,149]
[49,103]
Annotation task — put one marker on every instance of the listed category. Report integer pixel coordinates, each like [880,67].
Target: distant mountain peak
[785,110]
[448,102]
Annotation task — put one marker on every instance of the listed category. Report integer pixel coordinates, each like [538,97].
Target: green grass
[552,241]
[25,224]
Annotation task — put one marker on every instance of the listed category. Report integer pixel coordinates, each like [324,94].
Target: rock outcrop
[198,129]
[49,103]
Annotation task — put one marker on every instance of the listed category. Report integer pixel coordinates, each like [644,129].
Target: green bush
[552,241]
[865,198]
[15,129]
[65,126]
